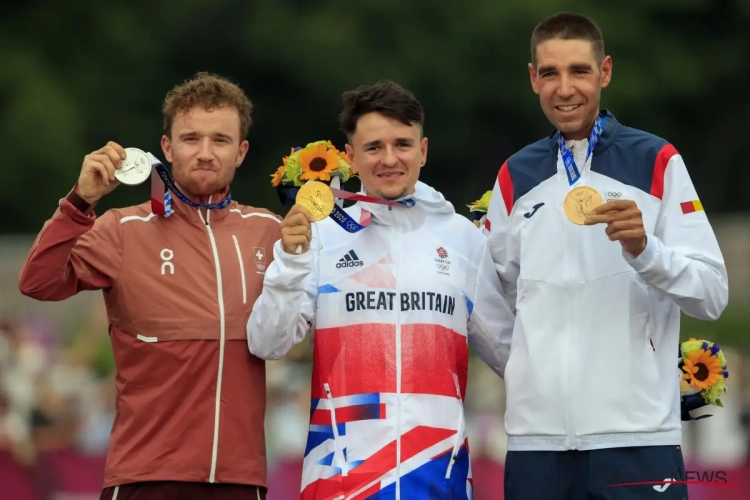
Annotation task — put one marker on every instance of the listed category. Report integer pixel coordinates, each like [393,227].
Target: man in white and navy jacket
[592,388]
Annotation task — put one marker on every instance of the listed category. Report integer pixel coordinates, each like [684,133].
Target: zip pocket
[338,456]
[460,432]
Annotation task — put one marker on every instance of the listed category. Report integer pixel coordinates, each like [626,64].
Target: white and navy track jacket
[592,361]
[391,308]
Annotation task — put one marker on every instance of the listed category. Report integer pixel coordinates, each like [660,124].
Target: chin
[205,188]
[392,193]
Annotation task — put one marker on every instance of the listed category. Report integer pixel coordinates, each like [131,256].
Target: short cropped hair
[568,26]
[385,97]
[208,92]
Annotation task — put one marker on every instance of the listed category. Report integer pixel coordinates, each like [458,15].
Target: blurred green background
[79,73]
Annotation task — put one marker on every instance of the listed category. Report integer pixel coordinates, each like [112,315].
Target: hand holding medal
[624,224]
[99,172]
[583,204]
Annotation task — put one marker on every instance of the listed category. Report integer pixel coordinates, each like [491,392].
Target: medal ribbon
[344,220]
[161,199]
[571,170]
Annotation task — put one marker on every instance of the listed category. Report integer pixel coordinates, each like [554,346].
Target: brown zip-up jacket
[179,291]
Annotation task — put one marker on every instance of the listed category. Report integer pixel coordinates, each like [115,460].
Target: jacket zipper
[460,431]
[568,374]
[220,295]
[398,368]
[570,313]
[338,454]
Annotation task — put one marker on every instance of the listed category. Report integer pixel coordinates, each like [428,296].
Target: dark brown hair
[568,26]
[209,92]
[385,97]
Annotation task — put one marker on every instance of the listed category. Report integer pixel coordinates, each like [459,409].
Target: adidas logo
[349,260]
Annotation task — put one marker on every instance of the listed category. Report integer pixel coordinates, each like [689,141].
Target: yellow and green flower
[318,161]
[704,370]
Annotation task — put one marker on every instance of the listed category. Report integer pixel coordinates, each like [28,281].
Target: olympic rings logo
[613,194]
[351,226]
[442,267]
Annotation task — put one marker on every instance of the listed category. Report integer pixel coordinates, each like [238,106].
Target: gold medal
[579,203]
[317,198]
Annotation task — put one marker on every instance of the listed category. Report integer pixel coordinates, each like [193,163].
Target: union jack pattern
[386,415]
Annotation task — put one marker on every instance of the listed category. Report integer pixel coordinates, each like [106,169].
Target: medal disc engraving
[135,169]
[579,202]
[317,198]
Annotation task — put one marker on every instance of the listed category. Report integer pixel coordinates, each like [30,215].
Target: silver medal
[135,169]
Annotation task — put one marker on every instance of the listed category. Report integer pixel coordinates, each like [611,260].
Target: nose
[566,88]
[205,152]
[389,157]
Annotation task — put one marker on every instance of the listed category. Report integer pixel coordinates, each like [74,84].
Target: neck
[582,133]
[204,199]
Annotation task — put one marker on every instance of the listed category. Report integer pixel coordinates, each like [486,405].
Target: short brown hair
[385,97]
[568,26]
[209,92]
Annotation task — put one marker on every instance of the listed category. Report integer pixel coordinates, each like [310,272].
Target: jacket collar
[611,128]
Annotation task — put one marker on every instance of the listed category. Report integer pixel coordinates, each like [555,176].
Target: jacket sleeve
[682,258]
[74,251]
[285,310]
[491,319]
[497,229]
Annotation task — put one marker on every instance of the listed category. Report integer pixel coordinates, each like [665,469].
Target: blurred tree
[77,74]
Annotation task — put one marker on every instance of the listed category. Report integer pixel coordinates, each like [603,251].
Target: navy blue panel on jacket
[623,153]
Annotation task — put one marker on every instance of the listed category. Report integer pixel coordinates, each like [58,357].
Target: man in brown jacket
[179,290]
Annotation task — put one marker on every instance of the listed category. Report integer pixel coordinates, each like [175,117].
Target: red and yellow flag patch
[688,207]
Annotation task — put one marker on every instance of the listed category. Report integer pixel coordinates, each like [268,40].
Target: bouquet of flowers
[479,208]
[704,373]
[318,161]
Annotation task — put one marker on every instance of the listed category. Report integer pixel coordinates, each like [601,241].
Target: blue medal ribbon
[163,173]
[571,170]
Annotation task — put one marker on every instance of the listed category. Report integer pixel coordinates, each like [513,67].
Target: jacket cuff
[79,203]
[292,261]
[646,259]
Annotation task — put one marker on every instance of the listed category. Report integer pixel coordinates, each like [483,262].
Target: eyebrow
[545,69]
[575,67]
[377,142]
[193,133]
[581,66]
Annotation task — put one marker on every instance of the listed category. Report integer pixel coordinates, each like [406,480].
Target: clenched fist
[98,172]
[296,230]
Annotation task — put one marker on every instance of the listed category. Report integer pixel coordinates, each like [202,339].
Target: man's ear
[605,71]
[166,147]
[532,77]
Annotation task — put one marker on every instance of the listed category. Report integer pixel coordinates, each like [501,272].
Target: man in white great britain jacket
[390,308]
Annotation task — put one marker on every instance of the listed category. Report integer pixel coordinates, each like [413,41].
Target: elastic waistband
[595,441]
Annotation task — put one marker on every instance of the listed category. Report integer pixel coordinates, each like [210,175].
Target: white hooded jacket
[393,309]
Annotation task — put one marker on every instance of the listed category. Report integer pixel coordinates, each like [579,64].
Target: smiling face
[388,155]
[569,79]
[205,150]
